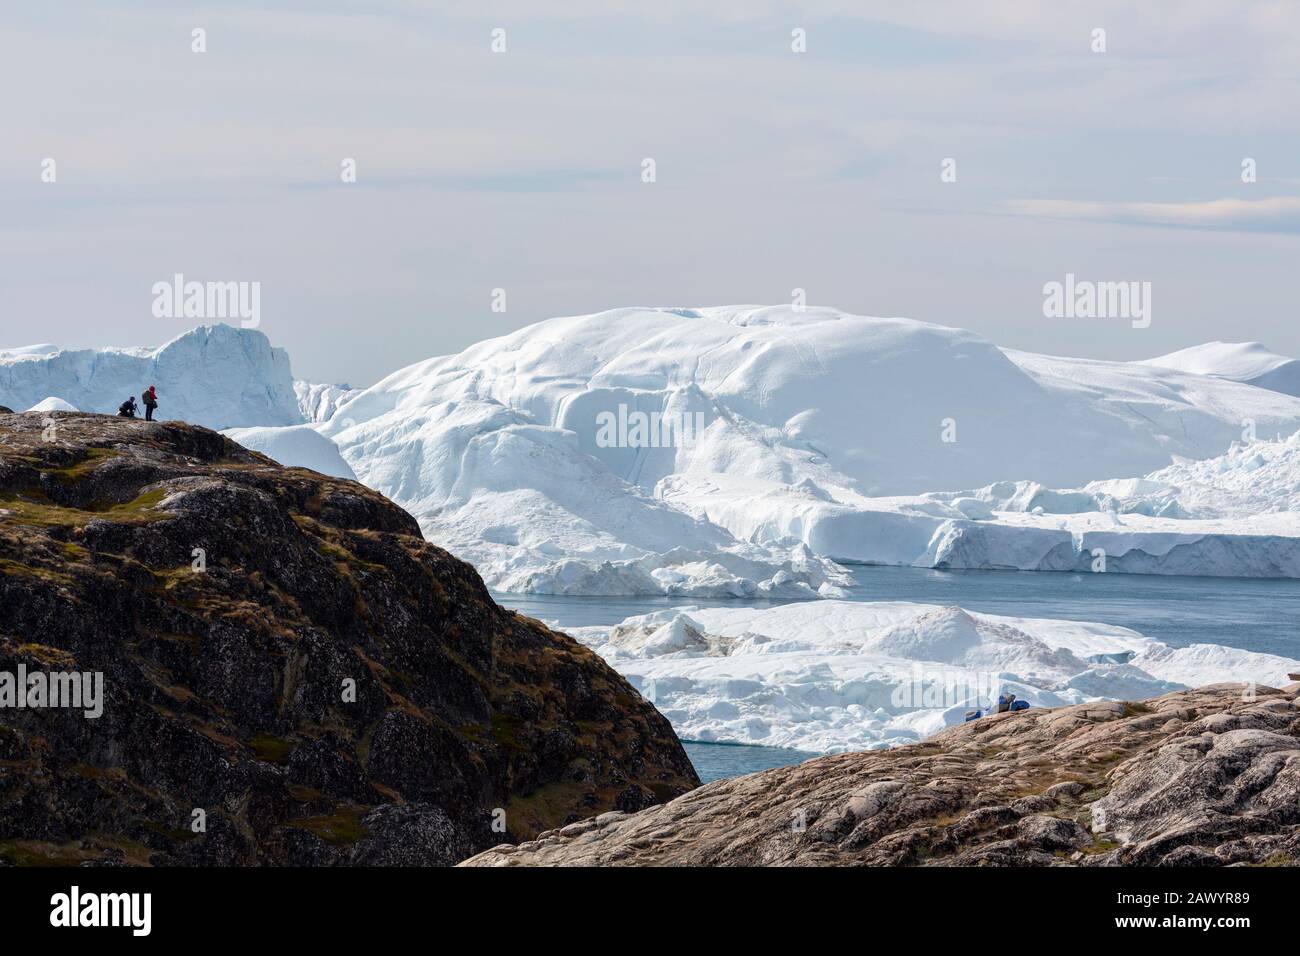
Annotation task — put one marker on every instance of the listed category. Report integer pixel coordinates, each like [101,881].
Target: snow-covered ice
[825,435]
[318,402]
[45,348]
[1249,362]
[1234,515]
[52,403]
[828,676]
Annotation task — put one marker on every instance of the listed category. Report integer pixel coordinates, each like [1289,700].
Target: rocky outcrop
[286,661]
[1200,777]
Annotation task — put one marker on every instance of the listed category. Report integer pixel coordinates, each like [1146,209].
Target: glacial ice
[317,402]
[215,375]
[824,438]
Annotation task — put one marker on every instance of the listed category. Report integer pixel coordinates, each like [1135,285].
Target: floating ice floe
[830,676]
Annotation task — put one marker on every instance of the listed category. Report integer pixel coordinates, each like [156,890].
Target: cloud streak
[1279,214]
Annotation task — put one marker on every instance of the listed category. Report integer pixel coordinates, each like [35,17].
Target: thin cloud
[1272,214]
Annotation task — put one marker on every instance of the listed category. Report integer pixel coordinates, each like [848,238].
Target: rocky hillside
[1197,777]
[285,653]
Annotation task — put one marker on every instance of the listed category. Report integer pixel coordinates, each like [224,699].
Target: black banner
[335,905]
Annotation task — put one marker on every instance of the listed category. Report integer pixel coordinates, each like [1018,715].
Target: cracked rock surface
[1200,777]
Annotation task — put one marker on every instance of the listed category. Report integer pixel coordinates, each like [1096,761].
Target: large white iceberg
[813,434]
[217,375]
[1234,515]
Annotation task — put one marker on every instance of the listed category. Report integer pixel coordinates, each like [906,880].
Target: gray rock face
[1194,778]
[412,834]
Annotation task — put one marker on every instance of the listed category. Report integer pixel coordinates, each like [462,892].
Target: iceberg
[809,436]
[216,375]
[1234,515]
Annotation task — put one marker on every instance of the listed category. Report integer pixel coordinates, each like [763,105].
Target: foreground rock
[232,606]
[1200,777]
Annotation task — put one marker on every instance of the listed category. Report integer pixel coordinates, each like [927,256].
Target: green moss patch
[338,829]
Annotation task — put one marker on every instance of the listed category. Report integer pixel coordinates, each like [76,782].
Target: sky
[523,170]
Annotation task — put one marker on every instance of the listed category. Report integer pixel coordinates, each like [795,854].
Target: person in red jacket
[150,403]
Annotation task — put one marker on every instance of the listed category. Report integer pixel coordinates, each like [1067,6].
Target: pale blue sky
[521,170]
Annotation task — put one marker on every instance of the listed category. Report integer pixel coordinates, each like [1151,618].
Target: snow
[1163,413]
[829,676]
[1249,362]
[295,446]
[44,348]
[825,435]
[1249,479]
[52,404]
[218,376]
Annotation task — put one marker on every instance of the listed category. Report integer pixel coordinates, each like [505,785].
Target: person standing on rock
[150,403]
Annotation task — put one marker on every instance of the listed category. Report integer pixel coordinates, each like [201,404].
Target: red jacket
[150,396]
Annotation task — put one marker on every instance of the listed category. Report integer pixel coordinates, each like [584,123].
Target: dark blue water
[719,761]
[1251,614]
